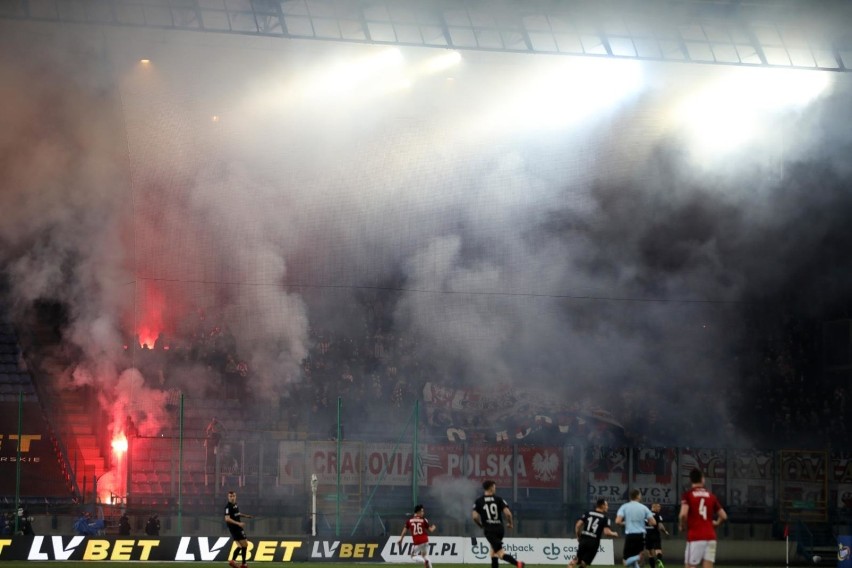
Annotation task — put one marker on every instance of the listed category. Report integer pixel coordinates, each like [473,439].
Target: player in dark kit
[233,518]
[590,528]
[653,538]
[488,513]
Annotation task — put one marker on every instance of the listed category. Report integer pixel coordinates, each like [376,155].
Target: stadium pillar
[18,464]
[414,454]
[180,468]
[337,520]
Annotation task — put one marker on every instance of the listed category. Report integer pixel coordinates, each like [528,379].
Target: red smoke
[151,314]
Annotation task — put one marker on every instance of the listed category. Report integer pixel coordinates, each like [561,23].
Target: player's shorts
[633,544]
[494,535]
[587,550]
[420,549]
[237,533]
[653,540]
[698,551]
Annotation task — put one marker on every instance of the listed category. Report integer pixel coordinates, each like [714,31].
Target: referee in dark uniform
[653,538]
[233,519]
[488,512]
[589,529]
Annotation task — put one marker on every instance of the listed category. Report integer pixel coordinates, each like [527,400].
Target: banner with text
[186,549]
[804,478]
[442,550]
[712,462]
[454,550]
[654,473]
[841,478]
[752,478]
[392,464]
[539,551]
[606,472]
[41,475]
[536,467]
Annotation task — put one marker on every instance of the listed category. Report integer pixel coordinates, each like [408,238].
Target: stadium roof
[808,34]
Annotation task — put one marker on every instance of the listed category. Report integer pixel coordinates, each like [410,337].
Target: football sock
[510,559]
[633,560]
[495,562]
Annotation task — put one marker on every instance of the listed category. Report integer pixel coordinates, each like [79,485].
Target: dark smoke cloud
[593,260]
[63,170]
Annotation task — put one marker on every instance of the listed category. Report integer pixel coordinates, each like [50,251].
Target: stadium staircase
[73,415]
[155,461]
[14,377]
[53,482]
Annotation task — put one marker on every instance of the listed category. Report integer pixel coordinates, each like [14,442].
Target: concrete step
[87,441]
[77,417]
[79,428]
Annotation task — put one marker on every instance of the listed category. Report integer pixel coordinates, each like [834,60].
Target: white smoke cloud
[585,259]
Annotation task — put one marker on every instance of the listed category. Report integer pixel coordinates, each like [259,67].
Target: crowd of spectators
[791,394]
[377,373]
[211,346]
[784,396]
[785,393]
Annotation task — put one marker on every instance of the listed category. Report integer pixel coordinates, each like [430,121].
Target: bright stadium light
[733,110]
[342,81]
[441,62]
[564,92]
[349,75]
[716,121]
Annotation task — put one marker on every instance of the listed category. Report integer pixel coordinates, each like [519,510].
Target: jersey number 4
[702,509]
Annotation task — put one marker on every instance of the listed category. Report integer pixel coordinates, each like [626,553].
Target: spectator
[85,525]
[152,527]
[130,429]
[25,523]
[8,524]
[211,444]
[124,525]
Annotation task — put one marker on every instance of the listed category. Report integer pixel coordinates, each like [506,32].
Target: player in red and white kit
[700,514]
[420,528]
